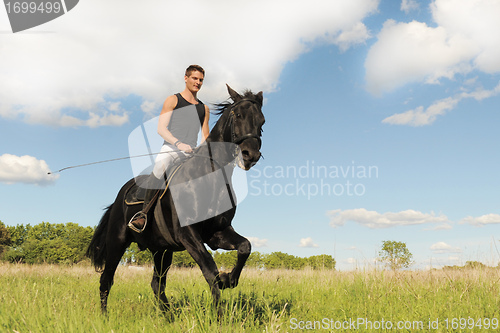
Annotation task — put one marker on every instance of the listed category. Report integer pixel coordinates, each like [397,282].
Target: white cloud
[465,38]
[481,221]
[477,21]
[413,52]
[101,52]
[409,5]
[307,242]
[149,107]
[421,117]
[481,94]
[376,220]
[444,226]
[442,247]
[25,169]
[357,35]
[257,242]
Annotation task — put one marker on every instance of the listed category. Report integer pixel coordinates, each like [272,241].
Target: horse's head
[240,125]
[245,123]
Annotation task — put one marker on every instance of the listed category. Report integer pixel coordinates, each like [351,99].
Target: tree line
[44,243]
[67,244]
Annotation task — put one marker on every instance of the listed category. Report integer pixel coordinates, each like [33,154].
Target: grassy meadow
[57,298]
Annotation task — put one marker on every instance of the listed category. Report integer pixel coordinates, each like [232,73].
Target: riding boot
[139,221]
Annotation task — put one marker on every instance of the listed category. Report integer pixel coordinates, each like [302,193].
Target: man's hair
[194,68]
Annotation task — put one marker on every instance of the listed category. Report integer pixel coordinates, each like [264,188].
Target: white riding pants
[167,156]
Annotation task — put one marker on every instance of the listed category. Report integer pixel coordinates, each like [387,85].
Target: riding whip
[105,161]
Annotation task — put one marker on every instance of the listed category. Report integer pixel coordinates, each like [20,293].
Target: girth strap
[162,226]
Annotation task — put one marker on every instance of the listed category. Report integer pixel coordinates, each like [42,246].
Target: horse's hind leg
[114,254]
[162,260]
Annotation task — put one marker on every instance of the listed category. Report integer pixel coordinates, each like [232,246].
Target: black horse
[236,136]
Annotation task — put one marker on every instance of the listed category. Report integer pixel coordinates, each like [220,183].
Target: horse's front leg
[228,239]
[195,247]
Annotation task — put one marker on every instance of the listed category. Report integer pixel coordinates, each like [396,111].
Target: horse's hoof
[225,280]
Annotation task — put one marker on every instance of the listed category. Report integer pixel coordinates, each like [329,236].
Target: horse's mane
[221,107]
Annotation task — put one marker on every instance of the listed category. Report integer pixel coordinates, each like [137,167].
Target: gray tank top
[186,120]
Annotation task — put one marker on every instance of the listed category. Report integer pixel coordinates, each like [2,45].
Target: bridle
[237,140]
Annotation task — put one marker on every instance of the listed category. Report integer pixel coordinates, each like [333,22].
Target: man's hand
[185,147]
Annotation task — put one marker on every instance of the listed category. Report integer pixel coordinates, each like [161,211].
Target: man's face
[194,81]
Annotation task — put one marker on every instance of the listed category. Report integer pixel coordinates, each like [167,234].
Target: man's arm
[205,130]
[164,120]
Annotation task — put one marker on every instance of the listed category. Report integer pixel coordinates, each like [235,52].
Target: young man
[179,124]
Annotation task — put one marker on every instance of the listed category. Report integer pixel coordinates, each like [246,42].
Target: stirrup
[136,216]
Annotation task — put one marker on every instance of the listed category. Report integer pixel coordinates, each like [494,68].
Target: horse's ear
[259,97]
[234,95]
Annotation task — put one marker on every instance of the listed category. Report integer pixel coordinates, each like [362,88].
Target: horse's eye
[238,115]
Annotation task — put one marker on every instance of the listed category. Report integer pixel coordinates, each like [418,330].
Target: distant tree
[469,265]
[322,261]
[284,260]
[19,234]
[5,238]
[225,260]
[77,237]
[256,260]
[45,231]
[183,259]
[51,243]
[133,255]
[395,255]
[475,265]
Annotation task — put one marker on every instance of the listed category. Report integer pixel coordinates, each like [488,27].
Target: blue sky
[405,94]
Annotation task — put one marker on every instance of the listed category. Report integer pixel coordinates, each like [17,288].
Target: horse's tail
[97,247]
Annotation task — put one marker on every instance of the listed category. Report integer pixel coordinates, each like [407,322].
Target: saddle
[135,194]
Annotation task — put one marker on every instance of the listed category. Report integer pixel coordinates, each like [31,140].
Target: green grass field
[47,298]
